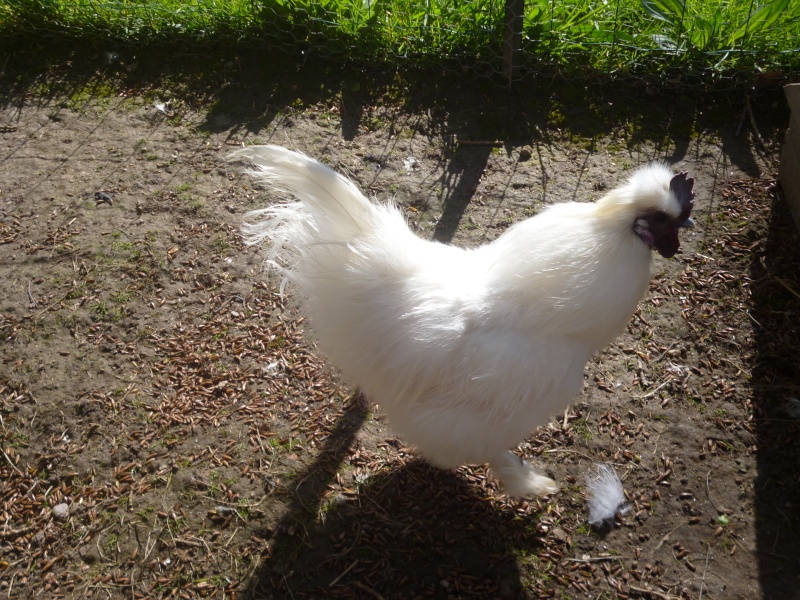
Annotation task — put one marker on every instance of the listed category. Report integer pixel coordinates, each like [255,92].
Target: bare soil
[168,430]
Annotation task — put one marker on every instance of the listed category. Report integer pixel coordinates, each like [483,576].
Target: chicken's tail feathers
[329,212]
[336,207]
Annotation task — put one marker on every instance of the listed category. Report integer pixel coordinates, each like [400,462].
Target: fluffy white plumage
[466,350]
[605,495]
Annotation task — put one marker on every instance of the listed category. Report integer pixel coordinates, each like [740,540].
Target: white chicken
[466,350]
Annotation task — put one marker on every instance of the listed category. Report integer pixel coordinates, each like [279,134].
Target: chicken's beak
[688,223]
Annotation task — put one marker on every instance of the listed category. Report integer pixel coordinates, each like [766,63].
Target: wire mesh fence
[487,36]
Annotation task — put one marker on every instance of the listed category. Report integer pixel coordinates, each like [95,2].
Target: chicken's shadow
[408,531]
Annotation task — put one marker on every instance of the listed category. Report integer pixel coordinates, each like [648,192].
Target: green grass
[606,35]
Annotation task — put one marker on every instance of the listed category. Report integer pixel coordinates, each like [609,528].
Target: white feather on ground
[606,495]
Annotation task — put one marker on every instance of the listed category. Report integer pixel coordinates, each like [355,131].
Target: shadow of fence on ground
[775,275]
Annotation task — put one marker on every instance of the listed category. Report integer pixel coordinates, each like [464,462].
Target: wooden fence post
[789,171]
[512,38]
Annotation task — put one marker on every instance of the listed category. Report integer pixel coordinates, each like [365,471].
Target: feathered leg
[520,478]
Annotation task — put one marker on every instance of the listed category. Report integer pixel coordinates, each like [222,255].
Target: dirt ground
[168,430]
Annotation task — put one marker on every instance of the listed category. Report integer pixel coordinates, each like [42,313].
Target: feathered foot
[520,478]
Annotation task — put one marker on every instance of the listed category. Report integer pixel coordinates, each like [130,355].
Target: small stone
[61,511]
[525,153]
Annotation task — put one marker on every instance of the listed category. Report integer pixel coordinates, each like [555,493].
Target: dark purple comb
[681,186]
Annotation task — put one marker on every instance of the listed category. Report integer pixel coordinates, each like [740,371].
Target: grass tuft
[628,36]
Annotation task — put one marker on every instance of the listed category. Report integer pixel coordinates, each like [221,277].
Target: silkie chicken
[466,350]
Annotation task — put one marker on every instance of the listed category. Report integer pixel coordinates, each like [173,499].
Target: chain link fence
[489,37]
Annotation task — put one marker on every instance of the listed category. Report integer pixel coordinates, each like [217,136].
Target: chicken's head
[659,228]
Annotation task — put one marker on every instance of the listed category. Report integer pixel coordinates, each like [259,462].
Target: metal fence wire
[486,36]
